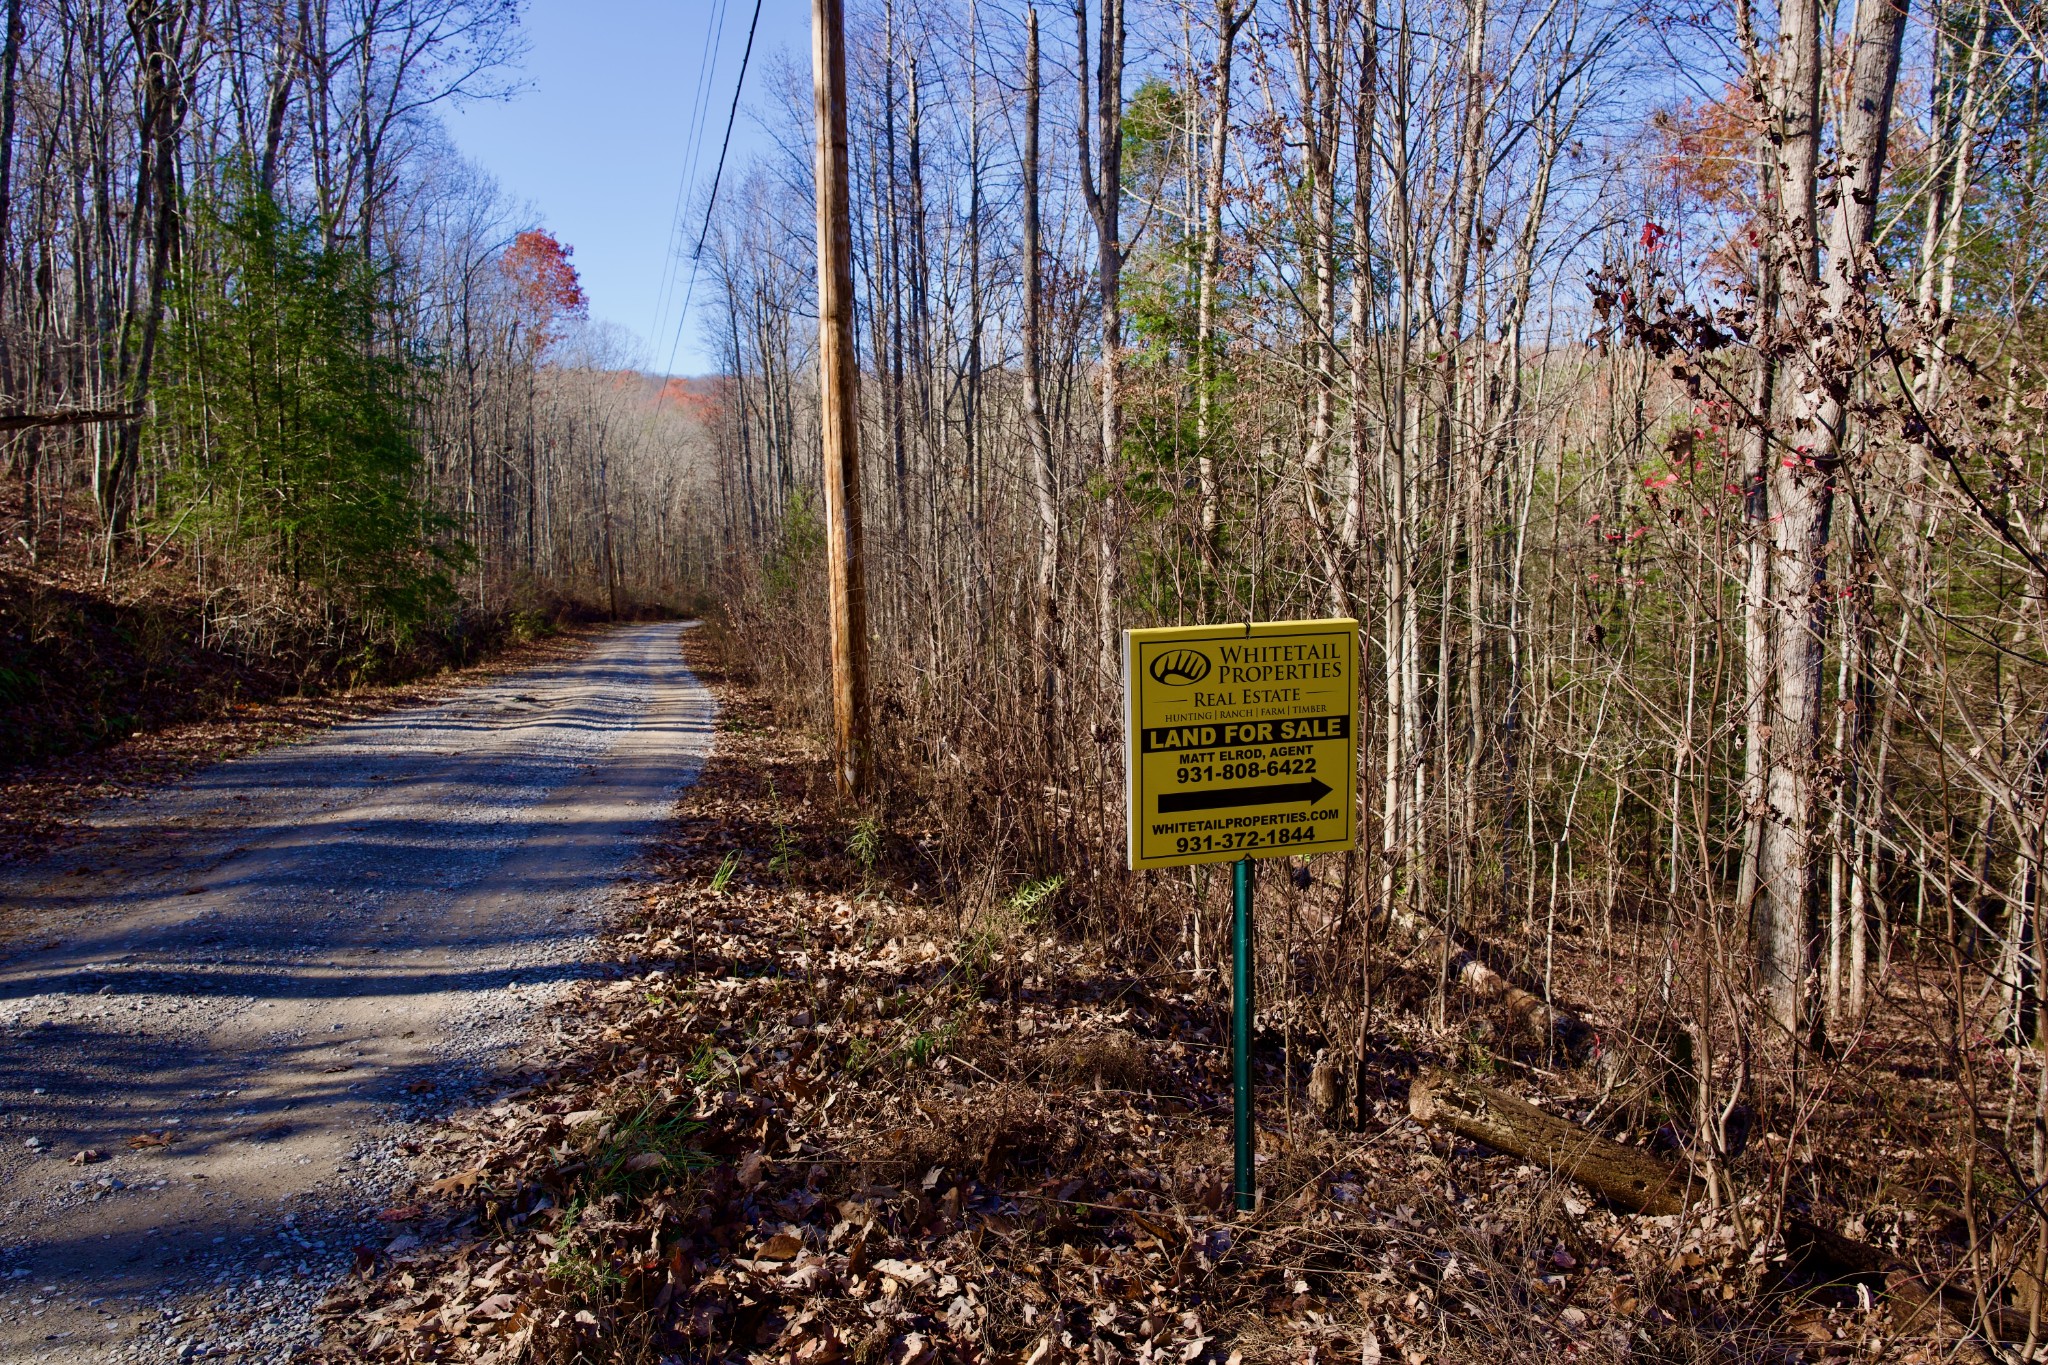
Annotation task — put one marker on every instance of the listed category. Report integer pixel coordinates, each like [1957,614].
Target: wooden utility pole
[838,414]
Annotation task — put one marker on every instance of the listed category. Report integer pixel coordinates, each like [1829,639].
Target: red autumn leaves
[549,291]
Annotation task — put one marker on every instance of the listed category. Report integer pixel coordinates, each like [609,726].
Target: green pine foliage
[290,411]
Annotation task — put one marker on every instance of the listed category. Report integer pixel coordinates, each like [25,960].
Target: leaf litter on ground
[814,1118]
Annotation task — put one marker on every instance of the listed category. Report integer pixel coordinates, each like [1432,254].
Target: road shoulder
[52,803]
[835,1105]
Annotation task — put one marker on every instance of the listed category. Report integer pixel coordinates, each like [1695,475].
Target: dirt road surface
[222,1013]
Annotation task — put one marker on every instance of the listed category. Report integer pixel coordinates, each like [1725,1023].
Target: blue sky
[595,140]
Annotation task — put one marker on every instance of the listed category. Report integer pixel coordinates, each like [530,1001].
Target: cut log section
[1627,1176]
[1469,973]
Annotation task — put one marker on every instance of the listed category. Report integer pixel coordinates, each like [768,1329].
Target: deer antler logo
[1184,666]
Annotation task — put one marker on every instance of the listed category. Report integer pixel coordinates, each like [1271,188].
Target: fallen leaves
[145,1141]
[782,1246]
[808,1133]
[496,1308]
[458,1184]
[804,1129]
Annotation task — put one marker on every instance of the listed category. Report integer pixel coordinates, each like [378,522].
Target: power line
[700,106]
[707,67]
[700,103]
[731,117]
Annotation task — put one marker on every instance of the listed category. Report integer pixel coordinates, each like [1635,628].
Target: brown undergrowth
[819,1115]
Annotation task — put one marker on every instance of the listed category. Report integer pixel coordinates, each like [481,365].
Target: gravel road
[223,1012]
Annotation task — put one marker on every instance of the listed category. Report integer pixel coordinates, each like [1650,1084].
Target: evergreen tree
[292,414]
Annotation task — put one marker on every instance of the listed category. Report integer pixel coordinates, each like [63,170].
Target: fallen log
[1830,1257]
[1627,1176]
[1469,972]
[1918,1305]
[1643,1183]
[64,417]
[1921,1309]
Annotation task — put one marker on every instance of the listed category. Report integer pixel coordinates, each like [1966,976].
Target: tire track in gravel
[281,964]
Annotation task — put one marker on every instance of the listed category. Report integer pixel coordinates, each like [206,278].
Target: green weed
[585,1276]
[973,956]
[866,845]
[16,684]
[722,878]
[921,1048]
[933,1043]
[703,1067]
[786,851]
[622,1166]
[528,624]
[1027,903]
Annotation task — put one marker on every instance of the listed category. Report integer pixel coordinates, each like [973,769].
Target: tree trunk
[1315,62]
[1786,729]
[160,29]
[10,64]
[1102,191]
[1801,482]
[1046,611]
[1364,120]
[1229,19]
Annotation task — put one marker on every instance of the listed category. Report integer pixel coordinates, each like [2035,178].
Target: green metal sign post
[1241,1030]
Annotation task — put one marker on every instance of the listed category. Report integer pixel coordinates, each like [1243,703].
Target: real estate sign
[1240,741]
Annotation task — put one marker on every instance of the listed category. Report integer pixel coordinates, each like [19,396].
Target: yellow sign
[1240,741]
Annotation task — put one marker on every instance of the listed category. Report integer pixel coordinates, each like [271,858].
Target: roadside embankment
[107,693]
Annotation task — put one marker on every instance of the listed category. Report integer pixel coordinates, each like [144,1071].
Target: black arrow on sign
[1223,798]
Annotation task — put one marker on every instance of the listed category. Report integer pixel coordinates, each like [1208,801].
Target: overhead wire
[711,201]
[700,107]
[693,141]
